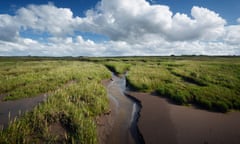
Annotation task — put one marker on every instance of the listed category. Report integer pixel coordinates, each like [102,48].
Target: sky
[119,27]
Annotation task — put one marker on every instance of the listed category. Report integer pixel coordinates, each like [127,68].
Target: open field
[75,98]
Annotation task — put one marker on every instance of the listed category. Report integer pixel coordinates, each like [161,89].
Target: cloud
[8,29]
[130,20]
[47,18]
[134,27]
[39,19]
[77,46]
[232,35]
[238,20]
[205,25]
[56,46]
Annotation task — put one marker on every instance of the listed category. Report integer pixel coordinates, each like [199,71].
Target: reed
[209,82]
[68,115]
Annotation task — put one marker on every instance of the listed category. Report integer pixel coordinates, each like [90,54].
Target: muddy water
[203,127]
[124,129]
[164,122]
[12,109]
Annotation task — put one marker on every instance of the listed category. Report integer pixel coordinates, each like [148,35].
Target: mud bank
[154,122]
[12,109]
[9,110]
[122,121]
[163,122]
[105,122]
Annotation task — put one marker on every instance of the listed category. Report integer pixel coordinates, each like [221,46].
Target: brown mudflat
[154,123]
[12,109]
[163,122]
[114,128]
[105,124]
[105,121]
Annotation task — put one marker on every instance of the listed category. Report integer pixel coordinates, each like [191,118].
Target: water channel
[125,130]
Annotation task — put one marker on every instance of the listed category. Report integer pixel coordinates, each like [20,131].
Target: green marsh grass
[117,67]
[211,83]
[71,109]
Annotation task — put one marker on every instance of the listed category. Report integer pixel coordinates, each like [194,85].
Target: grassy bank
[211,83]
[117,67]
[76,97]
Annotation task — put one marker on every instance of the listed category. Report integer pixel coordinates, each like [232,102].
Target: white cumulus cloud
[130,20]
[47,18]
[232,35]
[9,29]
[134,27]
[238,20]
[205,25]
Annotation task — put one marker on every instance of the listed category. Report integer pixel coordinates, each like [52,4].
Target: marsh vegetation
[75,95]
[76,98]
[211,83]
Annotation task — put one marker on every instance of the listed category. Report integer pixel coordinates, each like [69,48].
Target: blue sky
[228,9]
[78,6]
[119,27]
